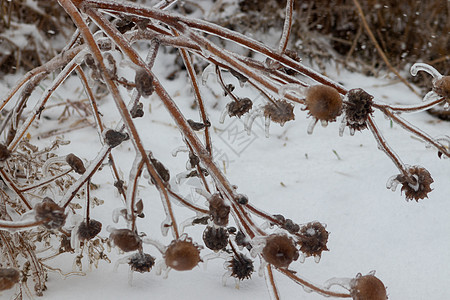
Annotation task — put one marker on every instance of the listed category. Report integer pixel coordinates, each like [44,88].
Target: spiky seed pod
[75,163]
[218,210]
[280,250]
[313,239]
[239,108]
[215,238]
[279,112]
[114,138]
[50,213]
[323,102]
[4,152]
[241,267]
[8,278]
[358,108]
[144,83]
[421,187]
[367,287]
[182,255]
[442,87]
[137,111]
[89,231]
[126,239]
[141,262]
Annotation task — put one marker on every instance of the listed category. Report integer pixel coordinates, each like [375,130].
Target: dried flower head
[240,107]
[87,231]
[144,83]
[280,250]
[442,87]
[358,108]
[182,255]
[141,262]
[75,163]
[50,213]
[114,138]
[218,210]
[4,152]
[279,112]
[417,185]
[8,278]
[367,287]
[215,238]
[313,239]
[241,267]
[126,239]
[323,102]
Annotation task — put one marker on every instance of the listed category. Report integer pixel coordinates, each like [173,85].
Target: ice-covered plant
[104,44]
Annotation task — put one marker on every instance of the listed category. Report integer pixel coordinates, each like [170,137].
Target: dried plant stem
[135,173]
[8,181]
[18,225]
[311,286]
[90,170]
[286,27]
[224,87]
[99,122]
[40,106]
[383,145]
[198,97]
[217,30]
[416,131]
[44,182]
[377,45]
[188,204]
[408,108]
[125,114]
[271,285]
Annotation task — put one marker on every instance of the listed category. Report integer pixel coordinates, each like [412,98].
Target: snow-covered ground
[339,181]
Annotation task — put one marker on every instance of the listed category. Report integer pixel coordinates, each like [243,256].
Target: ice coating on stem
[291,87]
[426,68]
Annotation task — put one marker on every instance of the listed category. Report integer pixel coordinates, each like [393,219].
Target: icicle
[249,122]
[430,96]
[223,115]
[426,68]
[311,126]
[210,69]
[343,282]
[291,87]
[178,150]
[392,183]
[266,125]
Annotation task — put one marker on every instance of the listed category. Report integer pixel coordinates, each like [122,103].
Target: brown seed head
[75,163]
[313,239]
[239,108]
[182,255]
[160,168]
[218,210]
[4,152]
[215,238]
[114,138]
[141,262]
[323,102]
[144,83]
[279,250]
[367,287]
[8,278]
[241,267]
[358,108]
[279,112]
[420,188]
[50,213]
[126,239]
[89,231]
[442,87]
